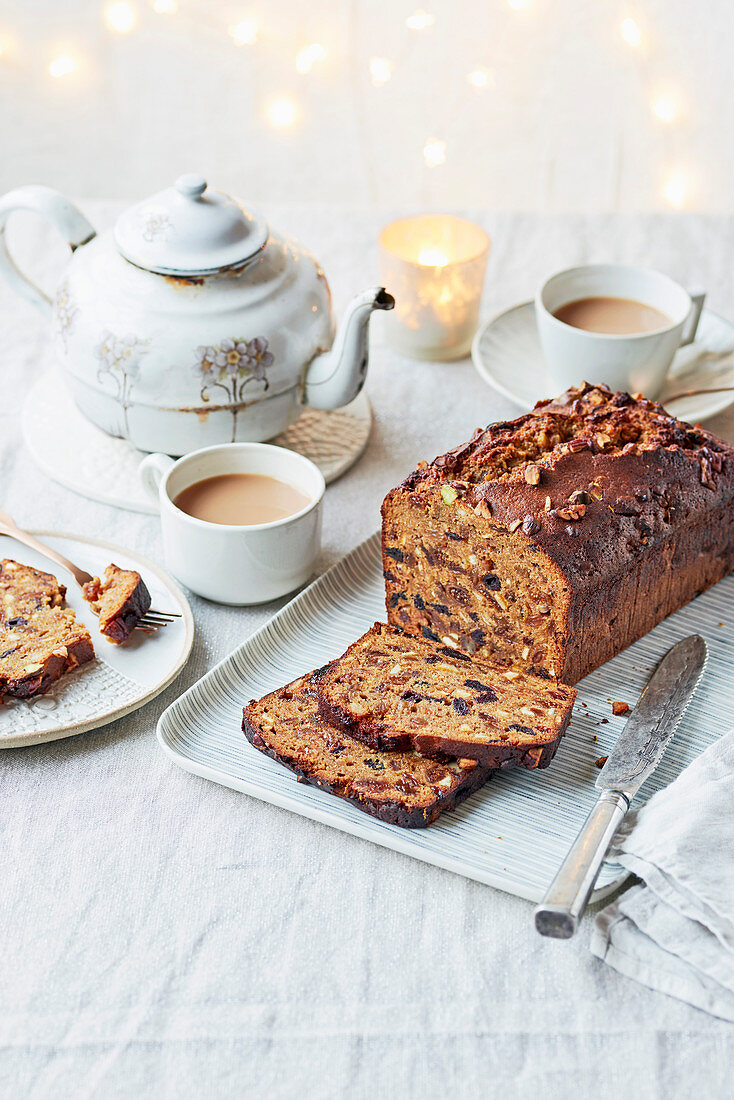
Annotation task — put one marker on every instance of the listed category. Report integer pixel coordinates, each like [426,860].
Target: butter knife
[633,759]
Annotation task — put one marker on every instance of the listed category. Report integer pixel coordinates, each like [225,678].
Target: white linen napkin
[675,932]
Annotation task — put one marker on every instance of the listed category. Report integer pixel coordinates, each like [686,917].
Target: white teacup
[237,564]
[637,362]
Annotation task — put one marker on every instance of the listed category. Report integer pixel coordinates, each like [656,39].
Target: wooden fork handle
[8,527]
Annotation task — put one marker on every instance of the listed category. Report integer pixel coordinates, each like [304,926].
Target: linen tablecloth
[164,936]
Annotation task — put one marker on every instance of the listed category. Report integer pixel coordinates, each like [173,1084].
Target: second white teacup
[237,564]
[635,361]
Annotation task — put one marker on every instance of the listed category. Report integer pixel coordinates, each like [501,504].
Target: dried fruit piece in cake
[39,640]
[121,601]
[553,541]
[401,788]
[393,690]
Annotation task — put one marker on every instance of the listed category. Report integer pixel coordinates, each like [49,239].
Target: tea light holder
[434,265]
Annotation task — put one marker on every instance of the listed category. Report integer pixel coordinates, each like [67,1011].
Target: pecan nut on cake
[553,541]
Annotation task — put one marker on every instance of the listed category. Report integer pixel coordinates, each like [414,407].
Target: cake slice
[393,690]
[39,640]
[121,600]
[402,788]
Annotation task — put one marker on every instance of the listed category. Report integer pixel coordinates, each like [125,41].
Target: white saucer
[73,451]
[121,678]
[506,352]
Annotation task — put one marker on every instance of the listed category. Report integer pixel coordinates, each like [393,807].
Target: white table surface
[166,937]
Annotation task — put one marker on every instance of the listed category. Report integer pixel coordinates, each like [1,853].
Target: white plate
[62,442]
[121,678]
[506,352]
[514,833]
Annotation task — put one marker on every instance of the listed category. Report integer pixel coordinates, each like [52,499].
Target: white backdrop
[565,119]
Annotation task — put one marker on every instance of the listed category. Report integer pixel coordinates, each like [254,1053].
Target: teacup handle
[152,470]
[698,297]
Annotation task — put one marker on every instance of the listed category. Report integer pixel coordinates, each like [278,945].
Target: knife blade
[655,718]
[633,759]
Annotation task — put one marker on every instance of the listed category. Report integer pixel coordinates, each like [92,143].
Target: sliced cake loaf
[393,690]
[553,541]
[402,788]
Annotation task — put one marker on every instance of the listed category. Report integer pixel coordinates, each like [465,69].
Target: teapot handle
[62,214]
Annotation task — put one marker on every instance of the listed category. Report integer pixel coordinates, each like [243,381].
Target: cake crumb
[620,708]
[601,762]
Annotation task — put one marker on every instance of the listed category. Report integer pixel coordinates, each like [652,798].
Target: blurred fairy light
[480,78]
[631,33]
[282,113]
[664,108]
[380,70]
[675,190]
[165,7]
[62,66]
[518,5]
[420,20]
[120,17]
[434,152]
[244,33]
[308,57]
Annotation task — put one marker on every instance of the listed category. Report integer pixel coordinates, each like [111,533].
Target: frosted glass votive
[434,265]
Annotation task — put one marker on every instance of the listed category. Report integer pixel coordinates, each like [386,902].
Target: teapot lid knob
[191,185]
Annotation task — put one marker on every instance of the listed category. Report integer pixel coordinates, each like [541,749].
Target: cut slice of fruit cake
[394,690]
[402,788]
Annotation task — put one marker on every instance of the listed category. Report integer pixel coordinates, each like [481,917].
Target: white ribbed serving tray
[514,833]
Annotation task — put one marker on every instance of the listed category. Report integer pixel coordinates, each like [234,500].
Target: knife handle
[559,912]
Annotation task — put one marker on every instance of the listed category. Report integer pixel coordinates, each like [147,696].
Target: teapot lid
[189,230]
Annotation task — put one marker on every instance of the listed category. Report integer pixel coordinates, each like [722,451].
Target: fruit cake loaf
[553,541]
[394,690]
[121,600]
[39,640]
[401,788]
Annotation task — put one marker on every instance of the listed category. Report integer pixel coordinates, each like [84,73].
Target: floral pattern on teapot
[66,311]
[231,365]
[119,360]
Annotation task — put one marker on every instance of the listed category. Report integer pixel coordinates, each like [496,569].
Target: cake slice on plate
[40,640]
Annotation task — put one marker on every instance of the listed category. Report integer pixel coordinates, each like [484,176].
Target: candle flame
[432,257]
[631,33]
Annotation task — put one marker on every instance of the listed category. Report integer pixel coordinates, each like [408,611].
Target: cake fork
[152,619]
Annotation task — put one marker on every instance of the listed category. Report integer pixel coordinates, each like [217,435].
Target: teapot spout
[335,377]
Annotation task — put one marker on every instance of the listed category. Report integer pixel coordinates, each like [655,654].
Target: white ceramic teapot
[190,324]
